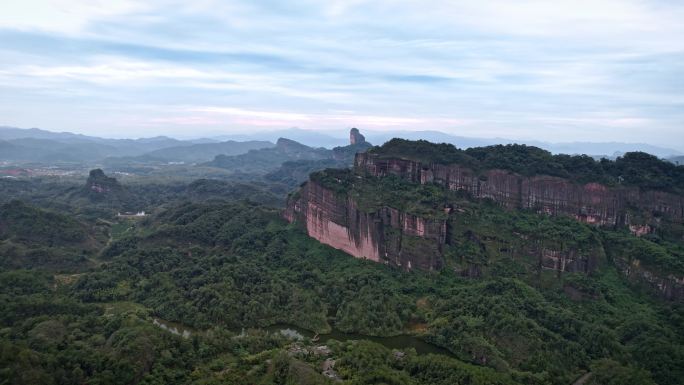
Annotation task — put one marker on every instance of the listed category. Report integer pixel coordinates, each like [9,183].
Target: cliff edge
[422,210]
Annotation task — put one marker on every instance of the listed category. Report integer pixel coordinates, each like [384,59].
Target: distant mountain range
[194,153]
[597,149]
[679,160]
[307,137]
[267,160]
[36,145]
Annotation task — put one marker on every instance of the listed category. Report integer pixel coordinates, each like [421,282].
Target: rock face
[99,183]
[669,286]
[107,192]
[591,203]
[567,261]
[355,136]
[386,236]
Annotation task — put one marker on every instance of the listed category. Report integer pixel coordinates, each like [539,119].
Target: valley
[458,277]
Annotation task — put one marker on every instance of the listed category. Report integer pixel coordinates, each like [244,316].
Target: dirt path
[582,380]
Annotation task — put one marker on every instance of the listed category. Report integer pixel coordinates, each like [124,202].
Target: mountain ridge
[400,208]
[314,138]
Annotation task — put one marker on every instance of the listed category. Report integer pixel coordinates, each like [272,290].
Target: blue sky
[602,70]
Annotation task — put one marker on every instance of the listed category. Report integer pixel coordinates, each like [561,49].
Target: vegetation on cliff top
[632,169]
[660,251]
[371,194]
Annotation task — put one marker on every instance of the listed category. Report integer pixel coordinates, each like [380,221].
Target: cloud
[65,16]
[523,69]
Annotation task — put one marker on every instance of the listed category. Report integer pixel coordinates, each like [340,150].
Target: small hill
[269,160]
[26,224]
[195,153]
[264,160]
[100,185]
[35,238]
[103,194]
[216,190]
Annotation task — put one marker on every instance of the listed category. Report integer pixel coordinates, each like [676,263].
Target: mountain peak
[355,136]
[290,145]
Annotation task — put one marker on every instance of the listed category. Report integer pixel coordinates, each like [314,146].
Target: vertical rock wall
[591,203]
[386,236]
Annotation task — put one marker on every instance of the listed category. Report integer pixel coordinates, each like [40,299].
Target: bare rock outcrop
[386,235]
[355,136]
[591,203]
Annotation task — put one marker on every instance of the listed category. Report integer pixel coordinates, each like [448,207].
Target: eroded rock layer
[386,235]
[591,203]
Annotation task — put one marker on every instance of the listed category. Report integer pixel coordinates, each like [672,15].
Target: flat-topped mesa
[385,235]
[415,221]
[593,203]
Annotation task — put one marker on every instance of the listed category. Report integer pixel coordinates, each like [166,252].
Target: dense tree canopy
[633,168]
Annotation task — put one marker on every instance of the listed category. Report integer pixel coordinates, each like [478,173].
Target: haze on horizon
[605,70]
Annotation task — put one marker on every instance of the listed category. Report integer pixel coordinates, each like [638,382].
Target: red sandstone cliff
[390,236]
[591,203]
[386,235]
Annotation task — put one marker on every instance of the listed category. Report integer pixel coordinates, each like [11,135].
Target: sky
[562,70]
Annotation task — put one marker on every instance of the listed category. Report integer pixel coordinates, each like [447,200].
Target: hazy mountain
[10,151]
[679,160]
[607,148]
[307,137]
[46,146]
[591,148]
[36,145]
[286,151]
[194,153]
[8,133]
[47,150]
[263,160]
[319,139]
[381,137]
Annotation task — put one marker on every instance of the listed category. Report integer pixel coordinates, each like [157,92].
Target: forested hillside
[213,286]
[218,268]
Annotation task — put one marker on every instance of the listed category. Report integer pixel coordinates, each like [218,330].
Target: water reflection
[396,342]
[400,342]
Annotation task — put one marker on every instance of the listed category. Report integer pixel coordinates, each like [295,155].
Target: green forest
[198,290]
[631,169]
[228,270]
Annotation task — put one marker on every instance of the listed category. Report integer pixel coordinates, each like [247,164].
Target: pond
[400,342]
[395,342]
